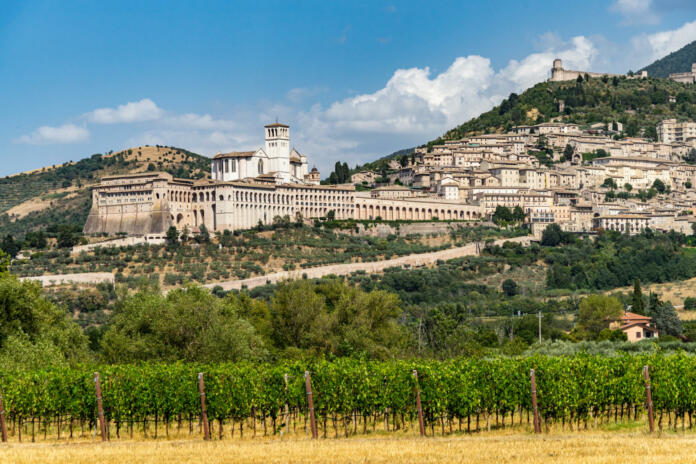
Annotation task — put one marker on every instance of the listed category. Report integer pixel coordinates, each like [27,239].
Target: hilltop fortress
[559,74]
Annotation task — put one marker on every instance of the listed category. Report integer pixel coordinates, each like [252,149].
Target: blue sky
[354,79]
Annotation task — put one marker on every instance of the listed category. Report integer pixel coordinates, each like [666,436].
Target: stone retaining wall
[421,259]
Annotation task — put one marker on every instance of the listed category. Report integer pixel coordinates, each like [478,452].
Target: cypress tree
[637,305]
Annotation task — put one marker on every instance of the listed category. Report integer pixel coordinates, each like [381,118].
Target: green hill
[60,195]
[675,62]
[637,103]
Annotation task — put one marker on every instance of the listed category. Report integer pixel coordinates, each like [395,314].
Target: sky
[355,80]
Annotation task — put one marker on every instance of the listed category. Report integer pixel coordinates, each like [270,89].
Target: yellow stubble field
[512,446]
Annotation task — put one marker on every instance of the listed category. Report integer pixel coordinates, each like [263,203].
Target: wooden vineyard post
[3,426]
[287,410]
[419,407]
[648,398]
[535,408]
[100,406]
[204,413]
[310,405]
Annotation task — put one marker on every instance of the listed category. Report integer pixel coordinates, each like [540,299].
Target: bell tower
[278,149]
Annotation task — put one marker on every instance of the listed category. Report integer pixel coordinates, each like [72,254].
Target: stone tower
[278,149]
[557,70]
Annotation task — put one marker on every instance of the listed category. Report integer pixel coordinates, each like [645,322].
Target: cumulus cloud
[46,135]
[143,110]
[654,46]
[414,101]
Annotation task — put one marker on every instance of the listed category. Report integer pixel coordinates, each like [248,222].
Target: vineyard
[349,396]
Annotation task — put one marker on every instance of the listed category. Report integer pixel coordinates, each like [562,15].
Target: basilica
[245,188]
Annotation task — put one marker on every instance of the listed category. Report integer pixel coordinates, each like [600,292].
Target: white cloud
[415,102]
[635,11]
[143,110]
[651,47]
[46,135]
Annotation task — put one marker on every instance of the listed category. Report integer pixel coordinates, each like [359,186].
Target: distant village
[592,178]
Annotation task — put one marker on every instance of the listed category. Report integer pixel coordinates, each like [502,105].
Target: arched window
[260,167]
[233,165]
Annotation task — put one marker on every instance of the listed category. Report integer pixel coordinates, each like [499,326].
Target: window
[260,167]
[233,165]
[638,334]
[227,165]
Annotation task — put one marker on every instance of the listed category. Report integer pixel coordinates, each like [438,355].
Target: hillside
[637,103]
[383,163]
[60,194]
[675,62]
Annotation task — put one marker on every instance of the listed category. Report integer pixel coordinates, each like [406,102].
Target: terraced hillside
[57,195]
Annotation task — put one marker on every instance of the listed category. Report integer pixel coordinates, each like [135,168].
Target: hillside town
[595,179]
[583,178]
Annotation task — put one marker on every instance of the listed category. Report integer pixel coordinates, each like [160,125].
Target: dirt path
[472,249]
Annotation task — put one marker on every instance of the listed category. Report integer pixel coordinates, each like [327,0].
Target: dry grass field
[494,447]
[674,292]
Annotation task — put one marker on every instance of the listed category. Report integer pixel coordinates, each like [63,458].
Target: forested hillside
[636,103]
[60,195]
[675,62]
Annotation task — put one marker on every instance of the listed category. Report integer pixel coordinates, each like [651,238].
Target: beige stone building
[685,77]
[670,131]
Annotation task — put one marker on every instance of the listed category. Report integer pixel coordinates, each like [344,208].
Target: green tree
[333,318]
[689,303]
[509,287]
[203,235]
[35,240]
[502,215]
[518,214]
[628,187]
[551,235]
[637,305]
[34,333]
[172,237]
[188,324]
[597,312]
[568,152]
[664,316]
[66,237]
[659,186]
[610,183]
[10,246]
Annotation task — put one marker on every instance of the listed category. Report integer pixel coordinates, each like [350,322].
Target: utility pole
[539,316]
